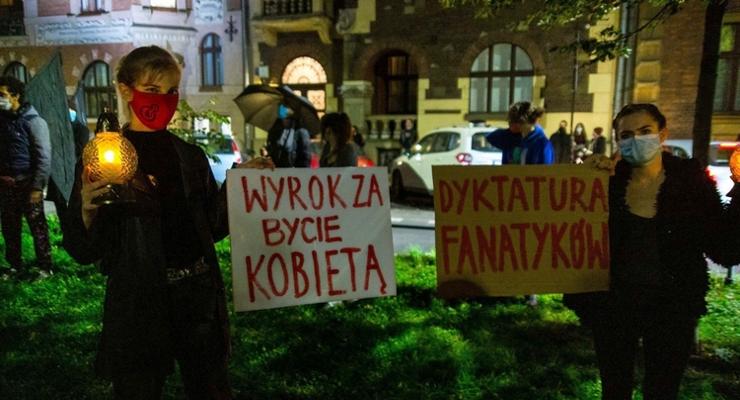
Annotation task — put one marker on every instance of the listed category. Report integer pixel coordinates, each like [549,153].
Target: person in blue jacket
[524,142]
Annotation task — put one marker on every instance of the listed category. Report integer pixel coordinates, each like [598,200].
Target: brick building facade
[93,35]
[349,39]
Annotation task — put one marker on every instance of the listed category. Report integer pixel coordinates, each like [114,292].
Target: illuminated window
[163,3]
[99,91]
[17,70]
[304,70]
[210,61]
[6,3]
[395,84]
[307,78]
[92,6]
[501,75]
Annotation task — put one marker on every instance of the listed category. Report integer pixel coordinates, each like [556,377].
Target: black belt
[196,268]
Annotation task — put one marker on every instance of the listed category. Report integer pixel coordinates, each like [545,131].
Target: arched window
[396,83]
[17,70]
[307,78]
[99,90]
[210,61]
[501,75]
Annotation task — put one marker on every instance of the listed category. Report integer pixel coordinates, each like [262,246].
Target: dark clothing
[346,156]
[667,343]
[407,138]
[14,204]
[81,135]
[289,146]
[158,158]
[534,149]
[25,147]
[562,144]
[149,321]
[598,145]
[25,162]
[690,221]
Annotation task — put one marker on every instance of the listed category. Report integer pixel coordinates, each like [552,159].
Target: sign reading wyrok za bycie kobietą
[302,236]
[512,230]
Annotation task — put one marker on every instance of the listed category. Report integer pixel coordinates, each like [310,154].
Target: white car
[445,146]
[719,158]
[227,152]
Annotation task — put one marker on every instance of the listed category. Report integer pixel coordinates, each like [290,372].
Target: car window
[426,143]
[454,141]
[481,144]
[719,155]
[676,151]
[442,142]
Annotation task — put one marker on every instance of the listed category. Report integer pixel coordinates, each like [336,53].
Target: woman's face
[638,124]
[329,137]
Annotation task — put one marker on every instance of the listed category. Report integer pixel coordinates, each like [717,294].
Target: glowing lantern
[735,165]
[110,157]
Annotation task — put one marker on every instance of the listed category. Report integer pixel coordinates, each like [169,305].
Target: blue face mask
[640,150]
[282,112]
[72,115]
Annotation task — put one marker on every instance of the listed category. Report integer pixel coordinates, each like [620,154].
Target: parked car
[317,146]
[719,158]
[446,146]
[227,153]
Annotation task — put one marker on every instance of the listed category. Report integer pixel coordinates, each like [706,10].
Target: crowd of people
[165,299]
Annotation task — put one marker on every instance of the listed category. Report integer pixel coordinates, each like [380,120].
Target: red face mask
[154,110]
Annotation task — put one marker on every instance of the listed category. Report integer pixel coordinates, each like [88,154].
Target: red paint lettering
[373,265]
[447,240]
[557,250]
[297,259]
[271,227]
[535,181]
[271,278]
[541,236]
[331,225]
[479,197]
[577,244]
[522,228]
[294,188]
[577,188]
[252,281]
[462,191]
[350,252]
[278,190]
[486,247]
[334,197]
[316,192]
[466,252]
[517,193]
[330,272]
[554,204]
[253,195]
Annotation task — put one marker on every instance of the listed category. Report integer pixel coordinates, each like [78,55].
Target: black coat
[691,222]
[127,245]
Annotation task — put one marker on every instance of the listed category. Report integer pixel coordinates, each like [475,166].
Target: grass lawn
[412,346]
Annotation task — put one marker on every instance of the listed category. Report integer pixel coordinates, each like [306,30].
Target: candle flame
[109,156]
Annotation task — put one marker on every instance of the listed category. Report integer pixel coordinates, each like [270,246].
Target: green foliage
[576,14]
[411,346]
[183,125]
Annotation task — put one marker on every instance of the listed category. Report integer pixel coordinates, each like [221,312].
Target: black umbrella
[259,104]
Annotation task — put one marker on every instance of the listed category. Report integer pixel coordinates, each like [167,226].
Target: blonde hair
[145,62]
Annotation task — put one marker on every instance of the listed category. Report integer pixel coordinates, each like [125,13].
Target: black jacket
[289,146]
[127,245]
[25,146]
[691,222]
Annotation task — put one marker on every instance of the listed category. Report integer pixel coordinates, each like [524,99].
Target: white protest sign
[302,236]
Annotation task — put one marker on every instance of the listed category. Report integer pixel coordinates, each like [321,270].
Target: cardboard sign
[301,236]
[512,230]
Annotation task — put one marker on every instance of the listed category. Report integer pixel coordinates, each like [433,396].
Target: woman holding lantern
[665,215]
[165,298]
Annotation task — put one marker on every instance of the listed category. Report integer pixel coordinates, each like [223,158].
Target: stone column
[357,100]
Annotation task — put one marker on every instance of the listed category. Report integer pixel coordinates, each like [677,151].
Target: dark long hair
[651,109]
[339,125]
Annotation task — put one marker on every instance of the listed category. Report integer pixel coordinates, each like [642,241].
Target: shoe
[43,274]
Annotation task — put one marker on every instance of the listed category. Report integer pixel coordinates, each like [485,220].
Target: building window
[396,83]
[286,7]
[307,78]
[727,87]
[17,70]
[6,3]
[501,75]
[163,3]
[210,61]
[99,91]
[92,6]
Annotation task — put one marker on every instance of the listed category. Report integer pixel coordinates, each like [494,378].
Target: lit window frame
[214,49]
[105,93]
[17,70]
[512,73]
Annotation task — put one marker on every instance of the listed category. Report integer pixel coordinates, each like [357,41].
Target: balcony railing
[12,24]
[273,8]
[386,126]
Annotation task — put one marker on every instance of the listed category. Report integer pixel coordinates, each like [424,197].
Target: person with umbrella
[288,144]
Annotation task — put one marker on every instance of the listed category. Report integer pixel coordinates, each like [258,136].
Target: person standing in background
[25,164]
[408,135]
[338,150]
[562,144]
[288,144]
[598,142]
